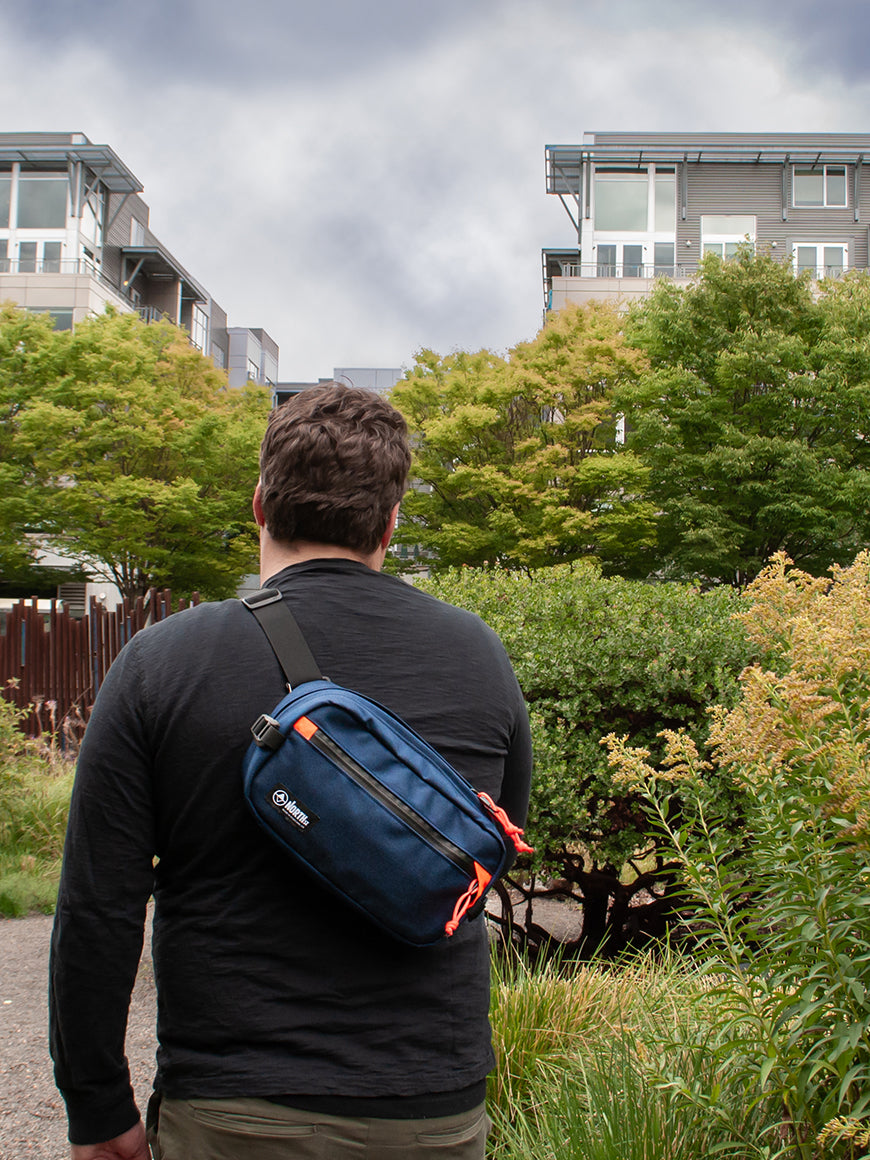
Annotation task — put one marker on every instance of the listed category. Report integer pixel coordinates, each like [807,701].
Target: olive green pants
[250,1129]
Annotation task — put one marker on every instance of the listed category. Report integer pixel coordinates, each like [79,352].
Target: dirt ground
[32,1117]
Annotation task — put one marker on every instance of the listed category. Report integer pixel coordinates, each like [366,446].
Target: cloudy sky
[364,178]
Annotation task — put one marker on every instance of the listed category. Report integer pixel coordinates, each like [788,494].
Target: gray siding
[757,189]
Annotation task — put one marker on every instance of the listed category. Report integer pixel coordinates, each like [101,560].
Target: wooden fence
[52,664]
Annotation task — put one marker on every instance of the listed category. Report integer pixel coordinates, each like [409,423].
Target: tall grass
[35,786]
[613,1063]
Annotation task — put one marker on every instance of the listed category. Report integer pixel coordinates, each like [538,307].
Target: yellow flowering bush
[783,898]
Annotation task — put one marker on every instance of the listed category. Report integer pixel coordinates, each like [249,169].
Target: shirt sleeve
[98,929]
[516,786]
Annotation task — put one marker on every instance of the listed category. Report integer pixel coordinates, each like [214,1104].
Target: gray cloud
[365,177]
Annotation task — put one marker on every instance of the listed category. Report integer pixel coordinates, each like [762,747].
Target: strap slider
[267,732]
[262,598]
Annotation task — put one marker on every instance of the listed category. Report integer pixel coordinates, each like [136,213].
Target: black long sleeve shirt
[267,985]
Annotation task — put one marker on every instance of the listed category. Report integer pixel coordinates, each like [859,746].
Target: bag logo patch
[294,811]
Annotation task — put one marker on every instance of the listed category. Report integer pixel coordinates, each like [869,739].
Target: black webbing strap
[284,635]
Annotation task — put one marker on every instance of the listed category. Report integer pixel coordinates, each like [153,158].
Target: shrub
[784,901]
[593,656]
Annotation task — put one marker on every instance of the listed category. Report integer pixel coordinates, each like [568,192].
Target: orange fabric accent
[306,727]
[465,901]
[512,831]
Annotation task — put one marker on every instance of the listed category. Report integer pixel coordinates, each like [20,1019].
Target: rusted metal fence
[52,664]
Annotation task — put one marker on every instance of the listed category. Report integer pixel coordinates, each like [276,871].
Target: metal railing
[688,270]
[626,270]
[50,266]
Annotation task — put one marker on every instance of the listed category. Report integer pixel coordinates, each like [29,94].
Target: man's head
[333,465]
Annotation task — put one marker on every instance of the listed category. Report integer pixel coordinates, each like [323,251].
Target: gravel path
[32,1117]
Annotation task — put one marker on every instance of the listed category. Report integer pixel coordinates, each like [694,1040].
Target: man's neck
[275,557]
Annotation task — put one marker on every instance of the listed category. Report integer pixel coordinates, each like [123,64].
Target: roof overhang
[102,160]
[155,262]
[565,163]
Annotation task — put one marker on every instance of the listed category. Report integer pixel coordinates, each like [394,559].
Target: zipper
[387,798]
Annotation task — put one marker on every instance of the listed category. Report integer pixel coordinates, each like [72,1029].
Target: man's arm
[516,784]
[99,922]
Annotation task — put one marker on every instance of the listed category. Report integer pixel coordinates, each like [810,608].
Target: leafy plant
[596,655]
[783,903]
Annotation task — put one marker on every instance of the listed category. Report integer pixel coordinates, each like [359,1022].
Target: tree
[515,458]
[22,338]
[139,463]
[753,419]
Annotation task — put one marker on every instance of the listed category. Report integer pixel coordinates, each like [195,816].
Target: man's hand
[131,1146]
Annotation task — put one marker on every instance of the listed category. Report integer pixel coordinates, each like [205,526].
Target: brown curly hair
[333,464]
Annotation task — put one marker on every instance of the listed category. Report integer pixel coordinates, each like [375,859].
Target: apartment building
[381,380]
[649,205]
[75,236]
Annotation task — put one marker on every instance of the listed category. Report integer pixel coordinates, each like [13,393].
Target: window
[621,201]
[42,203]
[821,259]
[39,257]
[665,184]
[4,256]
[51,252]
[664,264]
[5,201]
[137,233]
[724,234]
[27,257]
[819,185]
[619,261]
[635,201]
[199,328]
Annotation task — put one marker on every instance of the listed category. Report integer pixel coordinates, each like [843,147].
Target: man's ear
[391,527]
[258,507]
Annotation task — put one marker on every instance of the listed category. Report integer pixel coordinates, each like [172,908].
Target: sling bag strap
[284,635]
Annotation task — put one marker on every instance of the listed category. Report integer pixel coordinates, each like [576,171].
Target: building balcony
[572,281]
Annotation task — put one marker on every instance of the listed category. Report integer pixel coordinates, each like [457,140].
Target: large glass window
[724,234]
[621,201]
[819,185]
[5,198]
[42,203]
[665,201]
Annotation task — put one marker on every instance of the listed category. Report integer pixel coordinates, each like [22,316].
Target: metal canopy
[565,162]
[155,262]
[102,160]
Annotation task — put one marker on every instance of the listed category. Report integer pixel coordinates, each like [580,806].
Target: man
[288,1025]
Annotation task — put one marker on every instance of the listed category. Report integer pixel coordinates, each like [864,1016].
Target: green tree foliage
[753,418]
[136,460]
[22,339]
[515,456]
[595,656]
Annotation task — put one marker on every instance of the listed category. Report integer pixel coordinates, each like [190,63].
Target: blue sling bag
[364,804]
